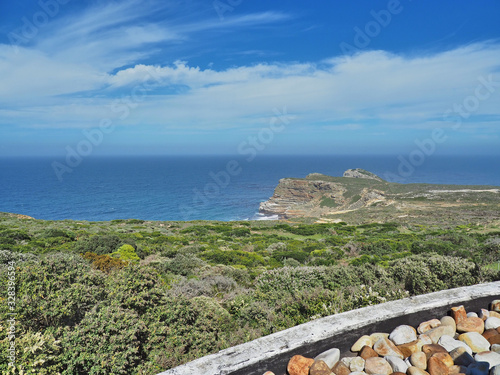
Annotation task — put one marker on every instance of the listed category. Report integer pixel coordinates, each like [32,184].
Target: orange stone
[300,365]
[431,349]
[319,368]
[490,333]
[367,352]
[436,367]
[445,358]
[410,348]
[472,324]
[385,347]
[458,313]
[494,340]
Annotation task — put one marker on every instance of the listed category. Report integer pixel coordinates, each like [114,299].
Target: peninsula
[361,196]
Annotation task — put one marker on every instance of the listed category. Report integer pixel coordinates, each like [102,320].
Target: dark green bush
[99,244]
[109,340]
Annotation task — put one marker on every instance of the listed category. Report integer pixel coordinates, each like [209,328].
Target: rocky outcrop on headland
[361,173]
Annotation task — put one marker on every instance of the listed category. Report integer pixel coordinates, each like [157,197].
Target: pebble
[341,369]
[330,357]
[436,367]
[448,321]
[471,325]
[495,370]
[436,333]
[403,334]
[449,343]
[385,347]
[492,323]
[419,360]
[472,315]
[461,357]
[495,305]
[377,336]
[495,348]
[456,369]
[377,365]
[416,371]
[428,325]
[489,333]
[362,341]
[494,314]
[319,368]
[445,358]
[397,364]
[475,341]
[357,364]
[458,313]
[411,347]
[358,373]
[478,368]
[432,349]
[491,357]
[300,365]
[484,314]
[367,352]
[346,361]
[269,373]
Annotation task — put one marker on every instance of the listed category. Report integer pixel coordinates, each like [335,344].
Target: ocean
[198,187]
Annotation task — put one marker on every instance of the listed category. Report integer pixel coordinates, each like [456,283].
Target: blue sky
[208,77]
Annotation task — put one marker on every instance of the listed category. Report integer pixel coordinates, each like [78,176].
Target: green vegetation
[139,297]
[327,202]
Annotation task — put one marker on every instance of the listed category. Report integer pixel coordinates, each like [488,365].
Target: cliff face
[320,196]
[316,195]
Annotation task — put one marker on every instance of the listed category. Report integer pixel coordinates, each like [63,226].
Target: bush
[105,263]
[99,244]
[109,340]
[36,353]
[56,291]
[137,288]
[126,253]
[186,329]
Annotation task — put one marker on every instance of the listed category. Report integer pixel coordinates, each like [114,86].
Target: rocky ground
[360,196]
[462,343]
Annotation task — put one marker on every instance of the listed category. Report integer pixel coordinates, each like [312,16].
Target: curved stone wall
[272,353]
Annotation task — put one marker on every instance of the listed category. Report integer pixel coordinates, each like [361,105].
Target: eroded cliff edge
[362,192]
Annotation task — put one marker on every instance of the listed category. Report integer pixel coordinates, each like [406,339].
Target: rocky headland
[361,194]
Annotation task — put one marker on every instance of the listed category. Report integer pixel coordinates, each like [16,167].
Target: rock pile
[460,344]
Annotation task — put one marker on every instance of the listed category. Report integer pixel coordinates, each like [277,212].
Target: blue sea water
[183,187]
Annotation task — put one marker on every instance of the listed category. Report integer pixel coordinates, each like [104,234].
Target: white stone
[492,323]
[357,364]
[472,315]
[357,373]
[495,348]
[397,364]
[362,341]
[403,334]
[476,341]
[491,357]
[347,361]
[330,357]
[449,343]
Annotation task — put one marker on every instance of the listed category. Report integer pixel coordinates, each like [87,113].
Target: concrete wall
[336,331]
